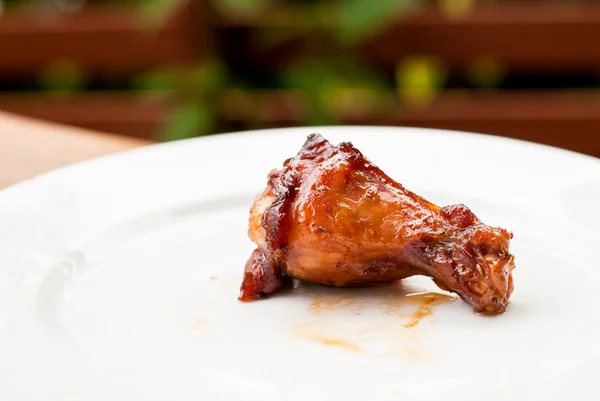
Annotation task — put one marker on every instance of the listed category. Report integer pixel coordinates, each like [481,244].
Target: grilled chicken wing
[330,216]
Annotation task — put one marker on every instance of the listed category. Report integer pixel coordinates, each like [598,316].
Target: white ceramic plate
[119,280]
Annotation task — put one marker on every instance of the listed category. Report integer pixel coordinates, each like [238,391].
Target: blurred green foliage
[241,7]
[195,90]
[329,70]
[326,81]
[62,77]
[361,18]
[331,80]
[419,79]
[321,79]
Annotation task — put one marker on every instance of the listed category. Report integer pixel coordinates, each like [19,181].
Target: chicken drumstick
[330,216]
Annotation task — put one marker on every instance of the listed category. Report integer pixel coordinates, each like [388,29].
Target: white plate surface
[119,280]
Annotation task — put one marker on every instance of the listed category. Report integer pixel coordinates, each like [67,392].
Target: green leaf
[157,80]
[189,121]
[209,76]
[241,7]
[334,73]
[361,18]
[154,13]
[419,79]
[62,76]
[322,81]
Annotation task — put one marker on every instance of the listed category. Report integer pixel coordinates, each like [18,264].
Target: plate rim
[228,136]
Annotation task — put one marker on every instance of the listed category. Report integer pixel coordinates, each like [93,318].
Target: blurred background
[173,69]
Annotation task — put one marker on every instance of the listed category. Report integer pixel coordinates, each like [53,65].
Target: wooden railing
[549,38]
[100,39]
[560,39]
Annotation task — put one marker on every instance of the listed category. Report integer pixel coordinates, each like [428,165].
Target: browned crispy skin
[330,216]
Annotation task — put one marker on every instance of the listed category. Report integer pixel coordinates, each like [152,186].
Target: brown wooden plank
[542,37]
[127,114]
[570,120]
[113,40]
[539,37]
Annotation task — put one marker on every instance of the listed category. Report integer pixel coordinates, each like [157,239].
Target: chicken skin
[330,216]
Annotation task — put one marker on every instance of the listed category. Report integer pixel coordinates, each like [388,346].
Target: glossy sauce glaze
[330,216]
[407,309]
[425,303]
